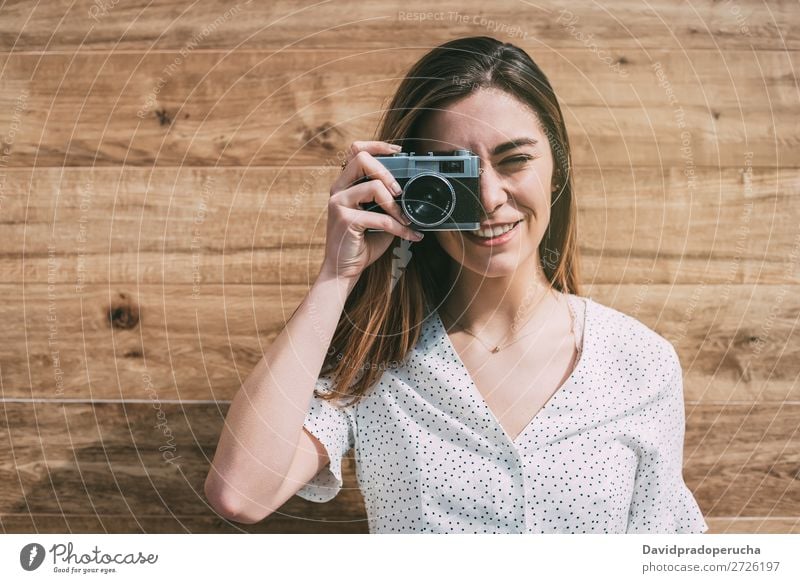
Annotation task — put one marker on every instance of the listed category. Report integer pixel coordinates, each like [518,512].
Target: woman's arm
[262,445]
[264,423]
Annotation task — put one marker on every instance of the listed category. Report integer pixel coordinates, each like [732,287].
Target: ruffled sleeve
[334,427]
[661,501]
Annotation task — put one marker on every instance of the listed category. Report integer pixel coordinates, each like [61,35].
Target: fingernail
[396,147]
[396,188]
[418,236]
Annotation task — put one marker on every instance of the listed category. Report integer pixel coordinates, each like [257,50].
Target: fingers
[366,192]
[361,163]
[362,220]
[372,147]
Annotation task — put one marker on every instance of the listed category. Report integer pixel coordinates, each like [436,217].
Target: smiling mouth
[494,231]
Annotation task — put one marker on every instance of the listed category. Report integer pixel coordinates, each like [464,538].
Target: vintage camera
[441,190]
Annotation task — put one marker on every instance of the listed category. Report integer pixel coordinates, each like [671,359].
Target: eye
[518,159]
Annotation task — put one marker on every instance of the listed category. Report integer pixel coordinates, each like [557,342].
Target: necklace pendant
[495,349]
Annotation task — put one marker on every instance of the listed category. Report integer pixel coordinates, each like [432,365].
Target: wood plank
[264,225]
[740,461]
[39,523]
[168,24]
[103,459]
[127,523]
[140,343]
[301,108]
[755,525]
[736,343]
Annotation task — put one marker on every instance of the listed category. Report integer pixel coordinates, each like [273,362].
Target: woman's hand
[348,249]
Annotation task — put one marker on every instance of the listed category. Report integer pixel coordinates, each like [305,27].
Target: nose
[493,195]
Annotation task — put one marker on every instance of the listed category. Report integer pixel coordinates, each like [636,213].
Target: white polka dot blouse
[604,454]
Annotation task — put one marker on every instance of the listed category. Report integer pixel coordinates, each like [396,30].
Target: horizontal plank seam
[304,285]
[161,516]
[89,401]
[344,48]
[228,401]
[285,168]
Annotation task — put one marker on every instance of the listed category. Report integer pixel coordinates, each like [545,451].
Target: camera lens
[428,199]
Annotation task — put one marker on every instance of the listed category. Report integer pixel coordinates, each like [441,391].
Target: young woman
[483,394]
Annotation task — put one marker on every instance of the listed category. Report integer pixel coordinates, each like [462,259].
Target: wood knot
[747,340]
[123,313]
[326,135]
[164,119]
[623,60]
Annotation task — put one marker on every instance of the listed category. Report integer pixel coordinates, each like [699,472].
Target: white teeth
[494,232]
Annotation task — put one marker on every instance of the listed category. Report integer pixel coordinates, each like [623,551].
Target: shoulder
[631,346]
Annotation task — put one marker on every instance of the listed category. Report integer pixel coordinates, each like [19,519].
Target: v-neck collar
[452,354]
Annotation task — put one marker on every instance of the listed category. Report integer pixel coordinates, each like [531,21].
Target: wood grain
[753,525]
[301,108]
[258,225]
[742,460]
[164,173]
[127,523]
[44,524]
[735,343]
[168,24]
[85,462]
[106,458]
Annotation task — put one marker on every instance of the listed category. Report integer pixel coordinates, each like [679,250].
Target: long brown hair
[383,315]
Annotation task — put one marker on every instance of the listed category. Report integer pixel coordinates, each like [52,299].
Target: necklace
[498,347]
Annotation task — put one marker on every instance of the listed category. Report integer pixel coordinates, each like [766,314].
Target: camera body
[441,190]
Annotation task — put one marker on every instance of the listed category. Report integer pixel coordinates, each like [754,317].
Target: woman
[483,394]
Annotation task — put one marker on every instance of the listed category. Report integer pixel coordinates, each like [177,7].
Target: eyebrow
[516,143]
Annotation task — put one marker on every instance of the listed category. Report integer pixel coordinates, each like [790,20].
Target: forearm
[263,425]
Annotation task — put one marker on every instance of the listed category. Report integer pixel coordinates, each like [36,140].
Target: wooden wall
[164,168]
